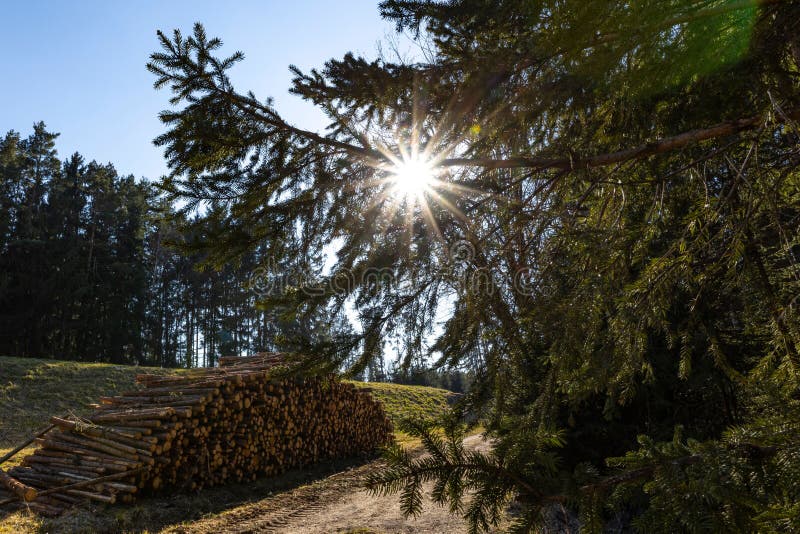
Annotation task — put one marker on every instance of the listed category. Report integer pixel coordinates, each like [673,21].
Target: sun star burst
[412,177]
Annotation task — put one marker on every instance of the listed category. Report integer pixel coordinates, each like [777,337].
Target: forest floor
[327,497]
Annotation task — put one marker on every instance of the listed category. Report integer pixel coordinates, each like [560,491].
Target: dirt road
[337,503]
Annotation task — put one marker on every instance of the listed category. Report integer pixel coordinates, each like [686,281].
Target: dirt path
[337,503]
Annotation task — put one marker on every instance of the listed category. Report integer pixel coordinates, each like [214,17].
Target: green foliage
[90,270]
[477,484]
[625,179]
[73,279]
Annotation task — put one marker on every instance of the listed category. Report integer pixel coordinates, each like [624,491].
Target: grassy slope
[31,390]
[408,401]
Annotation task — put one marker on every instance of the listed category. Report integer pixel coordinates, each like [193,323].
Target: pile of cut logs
[232,423]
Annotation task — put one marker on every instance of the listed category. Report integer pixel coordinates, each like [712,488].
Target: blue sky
[80,65]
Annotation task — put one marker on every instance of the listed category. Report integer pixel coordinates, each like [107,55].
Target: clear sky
[79,65]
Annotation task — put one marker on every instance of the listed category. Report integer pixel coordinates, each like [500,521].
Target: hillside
[401,401]
[33,389]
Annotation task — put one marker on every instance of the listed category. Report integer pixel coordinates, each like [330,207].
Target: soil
[338,503]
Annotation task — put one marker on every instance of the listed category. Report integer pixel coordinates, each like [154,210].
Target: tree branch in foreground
[661,146]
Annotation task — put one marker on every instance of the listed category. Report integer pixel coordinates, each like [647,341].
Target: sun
[412,177]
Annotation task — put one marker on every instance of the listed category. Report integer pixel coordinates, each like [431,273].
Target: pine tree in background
[10,163]
[623,178]
[86,272]
[29,166]
[67,200]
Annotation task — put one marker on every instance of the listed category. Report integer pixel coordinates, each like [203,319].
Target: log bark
[10,454]
[229,424]
[23,491]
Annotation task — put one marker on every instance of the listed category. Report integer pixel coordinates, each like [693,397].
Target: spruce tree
[29,166]
[617,183]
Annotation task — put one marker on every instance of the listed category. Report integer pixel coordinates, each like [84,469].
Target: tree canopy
[87,273]
[609,231]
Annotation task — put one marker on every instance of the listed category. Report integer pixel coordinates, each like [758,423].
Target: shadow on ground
[155,512]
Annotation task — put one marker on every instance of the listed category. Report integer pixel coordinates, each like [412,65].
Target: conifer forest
[582,215]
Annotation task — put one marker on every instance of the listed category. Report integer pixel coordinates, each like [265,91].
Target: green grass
[31,390]
[409,401]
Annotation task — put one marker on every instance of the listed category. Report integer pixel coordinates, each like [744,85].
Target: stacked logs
[233,423]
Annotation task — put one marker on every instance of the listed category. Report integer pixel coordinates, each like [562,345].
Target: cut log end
[23,491]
